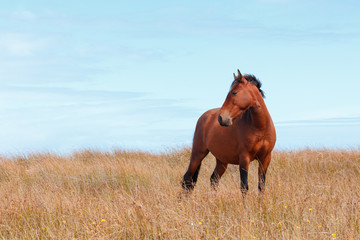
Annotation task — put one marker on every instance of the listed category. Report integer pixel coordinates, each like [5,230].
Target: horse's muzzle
[225,122]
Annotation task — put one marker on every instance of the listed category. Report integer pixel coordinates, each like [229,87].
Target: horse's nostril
[223,122]
[220,119]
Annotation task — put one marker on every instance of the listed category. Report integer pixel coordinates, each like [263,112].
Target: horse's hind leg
[196,174]
[191,175]
[218,172]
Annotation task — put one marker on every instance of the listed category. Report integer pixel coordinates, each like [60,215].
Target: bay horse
[237,133]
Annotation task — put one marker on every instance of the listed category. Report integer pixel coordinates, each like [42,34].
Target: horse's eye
[234,93]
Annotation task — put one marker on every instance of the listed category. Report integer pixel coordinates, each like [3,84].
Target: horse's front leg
[244,163]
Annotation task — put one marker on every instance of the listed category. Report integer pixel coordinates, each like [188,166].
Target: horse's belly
[226,157]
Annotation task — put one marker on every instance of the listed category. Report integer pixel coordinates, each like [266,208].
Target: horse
[237,133]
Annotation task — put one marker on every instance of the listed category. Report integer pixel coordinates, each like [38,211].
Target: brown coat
[237,133]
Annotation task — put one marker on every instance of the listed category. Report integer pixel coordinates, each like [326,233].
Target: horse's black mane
[252,79]
[256,82]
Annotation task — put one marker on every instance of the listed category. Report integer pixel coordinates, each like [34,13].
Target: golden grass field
[135,195]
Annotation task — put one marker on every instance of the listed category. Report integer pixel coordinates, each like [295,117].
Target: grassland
[137,195]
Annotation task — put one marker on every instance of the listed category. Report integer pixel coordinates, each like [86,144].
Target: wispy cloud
[321,122]
[321,133]
[275,1]
[24,15]
[62,119]
[21,44]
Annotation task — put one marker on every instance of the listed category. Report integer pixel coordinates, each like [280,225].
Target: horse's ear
[239,77]
[234,76]
[239,74]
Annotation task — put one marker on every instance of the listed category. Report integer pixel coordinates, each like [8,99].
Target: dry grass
[135,195]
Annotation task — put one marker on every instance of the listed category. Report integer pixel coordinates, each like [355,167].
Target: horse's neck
[259,115]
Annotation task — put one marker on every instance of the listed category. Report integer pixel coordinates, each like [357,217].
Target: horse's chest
[230,144]
[224,149]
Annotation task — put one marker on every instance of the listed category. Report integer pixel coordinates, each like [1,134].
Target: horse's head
[240,98]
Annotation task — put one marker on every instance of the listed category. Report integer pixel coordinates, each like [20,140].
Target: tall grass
[136,195]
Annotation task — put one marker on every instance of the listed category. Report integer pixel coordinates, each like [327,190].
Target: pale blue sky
[138,74]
